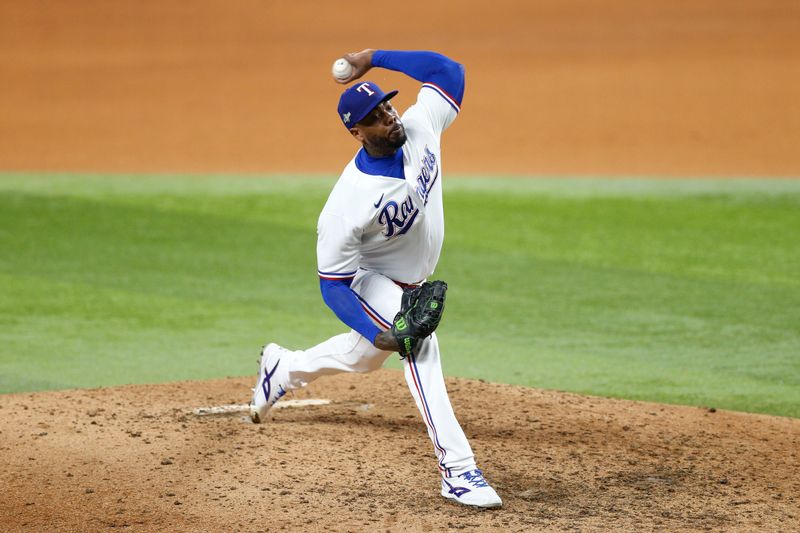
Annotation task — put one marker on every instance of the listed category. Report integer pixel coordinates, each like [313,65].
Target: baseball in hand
[341,69]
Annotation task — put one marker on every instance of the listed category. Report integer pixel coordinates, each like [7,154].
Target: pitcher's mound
[143,458]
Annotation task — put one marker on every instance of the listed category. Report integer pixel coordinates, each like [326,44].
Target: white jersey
[385,224]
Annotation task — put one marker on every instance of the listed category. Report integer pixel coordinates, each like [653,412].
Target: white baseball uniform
[377,231]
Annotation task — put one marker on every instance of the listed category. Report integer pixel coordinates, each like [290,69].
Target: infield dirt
[137,458]
[558,87]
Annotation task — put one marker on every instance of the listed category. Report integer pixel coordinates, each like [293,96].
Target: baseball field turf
[666,290]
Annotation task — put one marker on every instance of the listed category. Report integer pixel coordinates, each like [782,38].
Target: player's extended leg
[461,480]
[281,370]
[425,380]
[349,352]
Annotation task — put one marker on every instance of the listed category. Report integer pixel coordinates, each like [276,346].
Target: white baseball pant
[351,352]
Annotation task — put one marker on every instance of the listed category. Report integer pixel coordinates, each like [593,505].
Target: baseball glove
[420,313]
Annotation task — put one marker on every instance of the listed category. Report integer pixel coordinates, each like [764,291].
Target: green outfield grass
[672,291]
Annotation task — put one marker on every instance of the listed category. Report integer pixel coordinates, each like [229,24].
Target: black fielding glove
[420,313]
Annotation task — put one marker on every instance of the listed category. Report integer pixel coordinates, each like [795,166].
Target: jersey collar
[390,166]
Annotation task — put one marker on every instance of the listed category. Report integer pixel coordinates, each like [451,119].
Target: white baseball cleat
[270,386]
[470,488]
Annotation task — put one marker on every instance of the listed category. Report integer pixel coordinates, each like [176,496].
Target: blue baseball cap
[357,101]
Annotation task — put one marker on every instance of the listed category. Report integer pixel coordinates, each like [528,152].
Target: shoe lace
[475,478]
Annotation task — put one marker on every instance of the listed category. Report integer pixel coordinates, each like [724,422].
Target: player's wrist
[377,56]
[371,56]
[386,341]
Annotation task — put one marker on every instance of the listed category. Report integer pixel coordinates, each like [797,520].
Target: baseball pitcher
[379,239]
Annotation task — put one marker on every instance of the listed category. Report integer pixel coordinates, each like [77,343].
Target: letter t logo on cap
[365,87]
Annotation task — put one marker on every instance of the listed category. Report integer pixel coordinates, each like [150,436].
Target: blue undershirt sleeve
[338,295]
[427,67]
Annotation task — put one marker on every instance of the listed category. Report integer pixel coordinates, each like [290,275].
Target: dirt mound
[138,457]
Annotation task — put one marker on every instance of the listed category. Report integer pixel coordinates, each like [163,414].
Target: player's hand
[361,61]
[386,341]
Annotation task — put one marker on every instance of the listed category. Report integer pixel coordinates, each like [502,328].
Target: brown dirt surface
[136,457]
[620,87]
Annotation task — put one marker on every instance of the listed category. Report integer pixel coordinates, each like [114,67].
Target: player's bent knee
[375,361]
[366,357]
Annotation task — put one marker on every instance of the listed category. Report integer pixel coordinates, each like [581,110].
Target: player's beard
[388,144]
[395,139]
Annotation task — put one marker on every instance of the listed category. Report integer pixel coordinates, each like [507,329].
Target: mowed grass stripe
[676,291]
